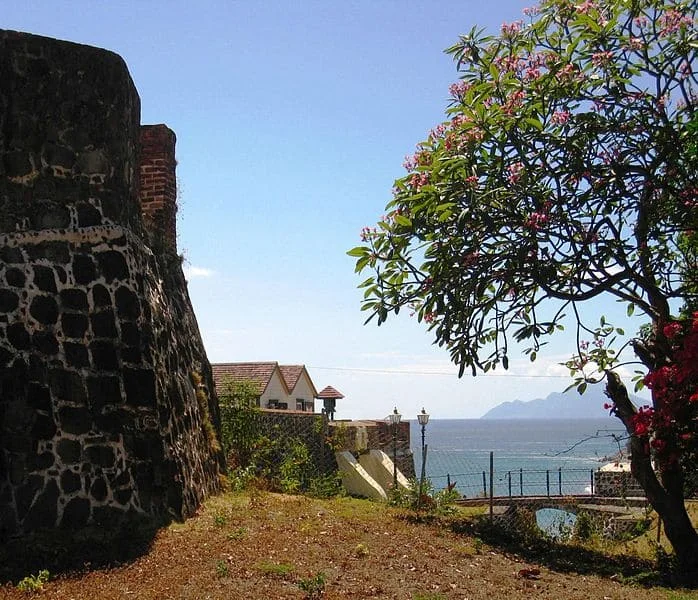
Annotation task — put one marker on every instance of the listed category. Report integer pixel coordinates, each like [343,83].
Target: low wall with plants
[287,452]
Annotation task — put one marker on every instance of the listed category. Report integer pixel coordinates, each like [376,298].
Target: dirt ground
[273,546]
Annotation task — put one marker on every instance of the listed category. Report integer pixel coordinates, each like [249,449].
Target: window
[300,404]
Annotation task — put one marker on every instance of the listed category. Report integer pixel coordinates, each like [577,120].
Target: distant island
[565,405]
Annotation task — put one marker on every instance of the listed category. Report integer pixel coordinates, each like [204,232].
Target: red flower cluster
[670,425]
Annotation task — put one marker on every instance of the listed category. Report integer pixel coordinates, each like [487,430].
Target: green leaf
[359,251]
[631,309]
[403,220]
[361,263]
[582,387]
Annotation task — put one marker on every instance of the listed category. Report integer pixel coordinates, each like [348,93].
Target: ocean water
[532,456]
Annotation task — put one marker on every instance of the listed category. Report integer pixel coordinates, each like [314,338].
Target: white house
[285,387]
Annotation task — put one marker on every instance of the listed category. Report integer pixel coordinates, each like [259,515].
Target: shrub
[33,583]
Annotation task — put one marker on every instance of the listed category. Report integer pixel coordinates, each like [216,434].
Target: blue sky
[292,121]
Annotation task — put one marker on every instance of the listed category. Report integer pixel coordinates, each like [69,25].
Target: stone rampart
[99,345]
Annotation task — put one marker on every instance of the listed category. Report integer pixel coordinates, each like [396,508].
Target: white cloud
[190,272]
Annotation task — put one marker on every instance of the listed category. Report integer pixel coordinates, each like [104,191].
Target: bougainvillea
[566,170]
[669,427]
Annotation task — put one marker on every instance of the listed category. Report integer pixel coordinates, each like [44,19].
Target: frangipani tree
[566,171]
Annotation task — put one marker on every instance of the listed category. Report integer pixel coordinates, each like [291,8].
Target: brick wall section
[158,184]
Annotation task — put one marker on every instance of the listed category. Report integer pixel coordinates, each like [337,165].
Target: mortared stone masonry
[99,416]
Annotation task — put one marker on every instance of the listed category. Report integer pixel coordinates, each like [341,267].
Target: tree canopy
[561,174]
[566,170]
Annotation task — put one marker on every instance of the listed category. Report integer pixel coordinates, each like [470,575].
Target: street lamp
[394,422]
[422,419]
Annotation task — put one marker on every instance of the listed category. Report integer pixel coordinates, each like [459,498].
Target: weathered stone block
[74,325]
[88,215]
[44,427]
[84,269]
[18,336]
[26,492]
[104,356]
[127,303]
[67,385]
[55,252]
[98,489]
[75,420]
[44,309]
[17,164]
[15,277]
[55,155]
[6,356]
[70,482]
[103,390]
[76,513]
[44,279]
[104,324]
[76,355]
[140,387]
[112,264]
[69,451]
[50,216]
[9,301]
[74,299]
[42,461]
[45,342]
[101,296]
[11,255]
[44,510]
[38,396]
[130,333]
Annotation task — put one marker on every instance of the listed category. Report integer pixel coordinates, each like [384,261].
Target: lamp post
[422,419]
[394,422]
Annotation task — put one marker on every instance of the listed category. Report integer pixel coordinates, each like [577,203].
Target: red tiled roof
[329,392]
[259,373]
[291,373]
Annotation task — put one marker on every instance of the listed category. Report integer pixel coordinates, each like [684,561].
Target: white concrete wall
[356,480]
[380,467]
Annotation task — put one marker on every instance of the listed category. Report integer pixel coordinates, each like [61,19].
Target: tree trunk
[665,496]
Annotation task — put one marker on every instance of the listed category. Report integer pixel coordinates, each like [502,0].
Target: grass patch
[274,569]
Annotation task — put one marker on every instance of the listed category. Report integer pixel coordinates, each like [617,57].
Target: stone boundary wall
[311,429]
[315,430]
[99,412]
[617,484]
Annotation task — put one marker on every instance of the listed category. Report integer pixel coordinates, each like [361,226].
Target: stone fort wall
[99,411]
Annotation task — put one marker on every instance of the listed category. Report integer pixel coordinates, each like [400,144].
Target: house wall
[304,389]
[276,390]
